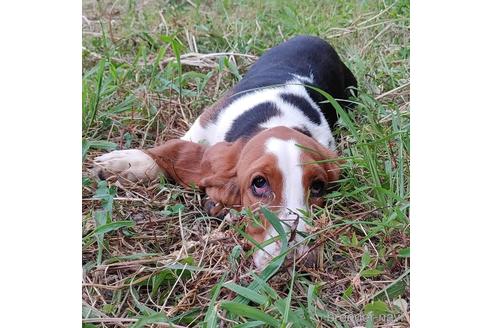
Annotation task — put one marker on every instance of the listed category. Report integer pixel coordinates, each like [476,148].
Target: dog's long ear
[180,160]
[332,165]
[212,169]
[220,175]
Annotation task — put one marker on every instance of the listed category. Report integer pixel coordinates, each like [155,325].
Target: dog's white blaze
[288,157]
[289,162]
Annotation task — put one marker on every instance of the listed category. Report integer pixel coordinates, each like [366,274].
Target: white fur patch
[130,164]
[262,257]
[197,133]
[290,116]
[289,162]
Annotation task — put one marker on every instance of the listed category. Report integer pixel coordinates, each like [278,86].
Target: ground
[152,257]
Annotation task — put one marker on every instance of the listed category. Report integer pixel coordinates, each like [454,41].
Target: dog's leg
[130,165]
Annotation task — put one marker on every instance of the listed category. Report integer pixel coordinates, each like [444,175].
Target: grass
[151,256]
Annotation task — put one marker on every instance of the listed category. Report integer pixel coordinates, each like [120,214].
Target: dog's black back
[303,56]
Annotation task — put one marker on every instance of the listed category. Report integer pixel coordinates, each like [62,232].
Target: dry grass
[169,261]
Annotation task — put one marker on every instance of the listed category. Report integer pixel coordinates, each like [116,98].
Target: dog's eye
[317,188]
[260,186]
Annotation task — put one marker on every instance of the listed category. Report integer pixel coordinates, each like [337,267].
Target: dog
[267,142]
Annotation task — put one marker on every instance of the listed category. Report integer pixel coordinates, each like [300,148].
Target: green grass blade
[276,262]
[247,311]
[286,311]
[247,293]
[147,320]
[249,324]
[95,102]
[114,226]
[211,315]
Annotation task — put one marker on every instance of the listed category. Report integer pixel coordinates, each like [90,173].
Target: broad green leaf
[249,312]
[249,324]
[158,279]
[348,292]
[393,291]
[188,317]
[366,258]
[96,144]
[247,293]
[102,144]
[370,273]
[262,285]
[377,308]
[88,325]
[141,307]
[404,252]
[289,316]
[153,318]
[101,218]
[113,226]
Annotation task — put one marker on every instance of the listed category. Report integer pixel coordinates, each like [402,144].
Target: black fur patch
[247,124]
[303,130]
[303,56]
[303,105]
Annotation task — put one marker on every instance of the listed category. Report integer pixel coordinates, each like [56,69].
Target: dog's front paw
[127,165]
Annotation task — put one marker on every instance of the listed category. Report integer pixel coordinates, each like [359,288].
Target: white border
[40,163]
[450,169]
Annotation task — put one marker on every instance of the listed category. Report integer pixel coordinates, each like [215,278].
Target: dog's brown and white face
[273,170]
[280,168]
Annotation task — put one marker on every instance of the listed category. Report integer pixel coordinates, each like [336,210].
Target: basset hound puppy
[256,145]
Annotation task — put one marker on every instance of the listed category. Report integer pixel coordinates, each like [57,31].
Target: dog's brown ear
[332,166]
[220,175]
[212,169]
[180,160]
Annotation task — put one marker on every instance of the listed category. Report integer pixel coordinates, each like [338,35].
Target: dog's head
[280,168]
